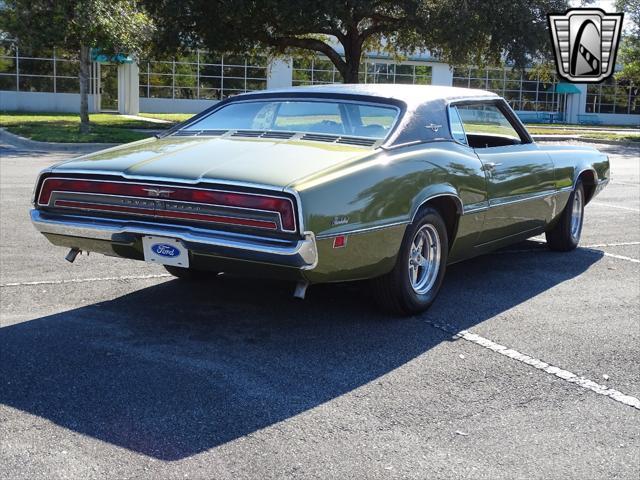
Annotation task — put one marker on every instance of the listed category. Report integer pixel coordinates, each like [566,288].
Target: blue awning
[96,56]
[569,88]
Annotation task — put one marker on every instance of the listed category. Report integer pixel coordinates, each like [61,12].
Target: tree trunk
[85,67]
[352,57]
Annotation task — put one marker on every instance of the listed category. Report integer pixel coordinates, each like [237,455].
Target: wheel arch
[450,207]
[589,179]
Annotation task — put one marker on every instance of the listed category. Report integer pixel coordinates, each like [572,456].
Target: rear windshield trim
[265,99]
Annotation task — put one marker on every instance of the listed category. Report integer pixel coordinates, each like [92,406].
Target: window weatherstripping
[456,127]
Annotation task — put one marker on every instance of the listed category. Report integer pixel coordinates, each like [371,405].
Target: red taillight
[283,206]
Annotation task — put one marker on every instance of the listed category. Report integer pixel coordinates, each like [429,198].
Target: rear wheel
[413,284]
[565,234]
[190,274]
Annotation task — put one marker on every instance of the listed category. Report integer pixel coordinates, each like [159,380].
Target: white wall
[128,89]
[169,105]
[441,74]
[42,102]
[280,73]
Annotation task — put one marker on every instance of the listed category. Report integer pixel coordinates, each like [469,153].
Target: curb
[576,138]
[21,142]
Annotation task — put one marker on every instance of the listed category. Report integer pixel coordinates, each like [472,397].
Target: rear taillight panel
[248,209]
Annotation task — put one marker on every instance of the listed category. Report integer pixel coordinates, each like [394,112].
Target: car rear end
[207,226]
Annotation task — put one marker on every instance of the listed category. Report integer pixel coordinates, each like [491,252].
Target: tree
[457,31]
[629,53]
[113,26]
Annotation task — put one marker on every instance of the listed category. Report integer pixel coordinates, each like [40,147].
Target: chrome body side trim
[500,202]
[301,254]
[361,230]
[476,208]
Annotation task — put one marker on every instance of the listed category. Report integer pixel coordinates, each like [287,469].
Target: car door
[520,177]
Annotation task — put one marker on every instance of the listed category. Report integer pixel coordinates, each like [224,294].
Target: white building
[190,84]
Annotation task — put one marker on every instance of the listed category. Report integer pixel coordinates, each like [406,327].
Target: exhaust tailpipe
[71,256]
[301,289]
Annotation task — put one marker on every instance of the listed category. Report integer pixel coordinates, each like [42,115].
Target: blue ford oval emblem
[165,250]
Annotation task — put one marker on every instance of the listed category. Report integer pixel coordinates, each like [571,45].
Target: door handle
[490,166]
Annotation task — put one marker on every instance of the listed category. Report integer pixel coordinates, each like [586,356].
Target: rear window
[324,117]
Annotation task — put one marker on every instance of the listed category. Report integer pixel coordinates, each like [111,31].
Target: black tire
[394,291]
[190,274]
[564,236]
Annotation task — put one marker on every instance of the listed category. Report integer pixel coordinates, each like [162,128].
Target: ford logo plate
[165,250]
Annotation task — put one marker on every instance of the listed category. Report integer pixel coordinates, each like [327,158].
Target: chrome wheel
[424,259]
[576,214]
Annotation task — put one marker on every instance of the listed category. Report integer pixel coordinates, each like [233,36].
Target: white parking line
[585,247]
[565,375]
[615,244]
[631,184]
[81,280]
[602,204]
[619,257]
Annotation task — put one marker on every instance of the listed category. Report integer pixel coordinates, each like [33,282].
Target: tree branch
[309,44]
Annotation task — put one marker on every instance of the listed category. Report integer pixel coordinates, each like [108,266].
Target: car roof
[409,94]
[424,115]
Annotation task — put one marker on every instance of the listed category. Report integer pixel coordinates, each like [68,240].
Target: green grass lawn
[65,128]
[171,117]
[582,126]
[630,137]
[113,128]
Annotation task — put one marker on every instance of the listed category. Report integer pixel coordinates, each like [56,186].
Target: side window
[457,130]
[486,126]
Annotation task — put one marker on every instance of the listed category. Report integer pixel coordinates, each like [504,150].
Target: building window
[521,90]
[613,97]
[200,75]
[320,70]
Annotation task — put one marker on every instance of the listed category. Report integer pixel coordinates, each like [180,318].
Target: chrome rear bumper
[301,254]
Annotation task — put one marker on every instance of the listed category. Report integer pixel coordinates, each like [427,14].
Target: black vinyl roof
[423,116]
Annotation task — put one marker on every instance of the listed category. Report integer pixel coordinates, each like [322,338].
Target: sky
[606,5]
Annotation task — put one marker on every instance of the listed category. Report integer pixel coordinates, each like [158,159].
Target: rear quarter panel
[571,160]
[373,200]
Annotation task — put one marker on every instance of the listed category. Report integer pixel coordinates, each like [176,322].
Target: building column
[576,104]
[280,73]
[128,89]
[441,74]
[94,88]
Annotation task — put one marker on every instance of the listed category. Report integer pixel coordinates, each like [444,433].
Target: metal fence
[320,70]
[613,97]
[53,71]
[522,90]
[202,76]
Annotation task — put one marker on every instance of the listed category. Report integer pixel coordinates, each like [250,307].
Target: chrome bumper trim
[300,254]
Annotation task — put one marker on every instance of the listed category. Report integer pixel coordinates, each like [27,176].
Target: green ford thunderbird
[326,184]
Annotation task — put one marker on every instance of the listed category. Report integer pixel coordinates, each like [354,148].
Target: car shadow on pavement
[175,369]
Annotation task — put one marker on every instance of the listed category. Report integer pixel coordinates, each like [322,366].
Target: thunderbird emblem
[156,192]
[585,41]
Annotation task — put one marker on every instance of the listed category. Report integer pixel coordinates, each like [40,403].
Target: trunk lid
[214,159]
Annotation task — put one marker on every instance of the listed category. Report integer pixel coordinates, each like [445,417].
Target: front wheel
[413,284]
[565,234]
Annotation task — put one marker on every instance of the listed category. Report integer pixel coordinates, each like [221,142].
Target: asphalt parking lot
[111,369]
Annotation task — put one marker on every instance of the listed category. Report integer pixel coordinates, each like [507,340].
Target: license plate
[167,251]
